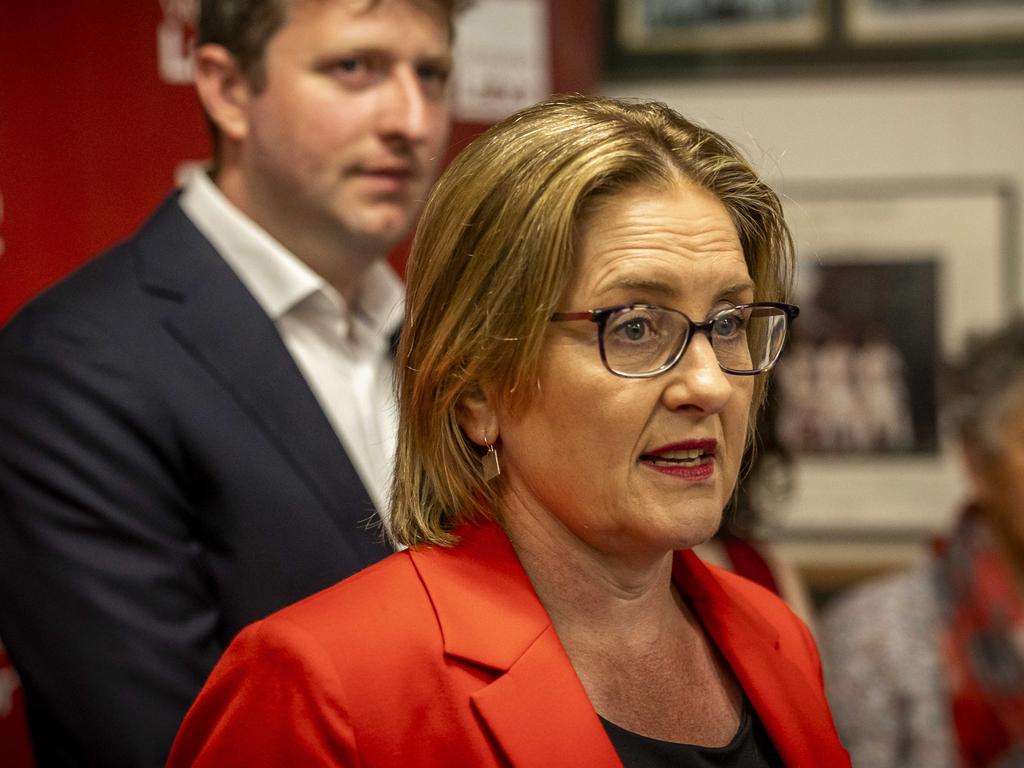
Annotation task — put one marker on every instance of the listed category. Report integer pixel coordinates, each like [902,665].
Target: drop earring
[490,462]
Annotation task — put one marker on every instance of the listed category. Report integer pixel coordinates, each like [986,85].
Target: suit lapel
[789,702]
[217,321]
[535,708]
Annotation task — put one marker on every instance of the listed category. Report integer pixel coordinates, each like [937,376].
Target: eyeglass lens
[643,340]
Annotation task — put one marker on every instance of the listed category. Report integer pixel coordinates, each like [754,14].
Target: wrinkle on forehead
[640,237]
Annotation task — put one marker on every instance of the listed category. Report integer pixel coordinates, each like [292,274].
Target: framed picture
[753,38]
[892,277]
[884,22]
[709,25]
[862,363]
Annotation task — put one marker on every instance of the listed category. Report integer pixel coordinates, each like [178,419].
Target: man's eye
[434,73]
[433,79]
[350,65]
[353,71]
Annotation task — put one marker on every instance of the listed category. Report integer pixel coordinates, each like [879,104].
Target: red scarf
[983,647]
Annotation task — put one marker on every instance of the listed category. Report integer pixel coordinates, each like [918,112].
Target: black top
[749,748]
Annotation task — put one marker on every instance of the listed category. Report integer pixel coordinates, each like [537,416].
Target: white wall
[860,128]
[857,128]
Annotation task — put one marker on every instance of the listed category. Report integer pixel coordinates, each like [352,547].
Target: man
[197,426]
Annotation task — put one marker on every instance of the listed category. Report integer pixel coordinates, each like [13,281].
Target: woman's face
[635,466]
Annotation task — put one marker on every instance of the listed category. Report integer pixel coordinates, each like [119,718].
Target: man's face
[345,138]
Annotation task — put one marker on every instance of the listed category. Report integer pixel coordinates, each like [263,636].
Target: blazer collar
[491,617]
[217,321]
[789,701]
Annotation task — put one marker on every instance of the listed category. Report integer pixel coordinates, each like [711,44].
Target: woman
[567,434]
[927,666]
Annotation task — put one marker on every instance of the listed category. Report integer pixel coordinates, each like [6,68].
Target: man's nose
[405,110]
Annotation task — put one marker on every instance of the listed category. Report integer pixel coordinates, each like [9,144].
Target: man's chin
[381,230]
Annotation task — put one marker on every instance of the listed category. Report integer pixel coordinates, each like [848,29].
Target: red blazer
[445,657]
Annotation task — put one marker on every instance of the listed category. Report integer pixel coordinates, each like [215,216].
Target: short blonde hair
[495,252]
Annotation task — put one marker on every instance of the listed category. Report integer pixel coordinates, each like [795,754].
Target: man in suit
[197,426]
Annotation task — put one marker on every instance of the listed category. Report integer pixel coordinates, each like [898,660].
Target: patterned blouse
[884,675]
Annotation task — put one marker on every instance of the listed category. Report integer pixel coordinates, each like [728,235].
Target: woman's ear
[477,415]
[223,89]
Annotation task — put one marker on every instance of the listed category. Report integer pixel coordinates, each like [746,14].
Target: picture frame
[902,22]
[706,39]
[969,229]
[720,25]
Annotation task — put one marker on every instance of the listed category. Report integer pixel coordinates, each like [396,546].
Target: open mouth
[685,458]
[691,455]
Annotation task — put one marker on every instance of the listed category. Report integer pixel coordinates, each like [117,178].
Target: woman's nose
[697,380]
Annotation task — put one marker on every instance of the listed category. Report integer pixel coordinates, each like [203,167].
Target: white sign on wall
[502,59]
[174,36]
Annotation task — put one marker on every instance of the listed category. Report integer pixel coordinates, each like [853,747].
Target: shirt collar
[278,279]
[275,277]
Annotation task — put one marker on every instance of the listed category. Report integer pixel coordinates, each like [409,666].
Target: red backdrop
[91,137]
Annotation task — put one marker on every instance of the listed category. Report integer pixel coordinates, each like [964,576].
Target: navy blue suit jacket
[166,477]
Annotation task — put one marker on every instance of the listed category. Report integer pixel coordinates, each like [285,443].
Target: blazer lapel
[218,321]
[789,702]
[535,708]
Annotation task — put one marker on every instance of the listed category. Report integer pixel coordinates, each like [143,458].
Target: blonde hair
[494,253]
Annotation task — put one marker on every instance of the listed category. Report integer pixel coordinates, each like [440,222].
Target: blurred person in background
[740,545]
[926,668]
[198,426]
[594,294]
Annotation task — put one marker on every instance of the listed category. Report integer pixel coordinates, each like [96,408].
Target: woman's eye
[634,329]
[728,325]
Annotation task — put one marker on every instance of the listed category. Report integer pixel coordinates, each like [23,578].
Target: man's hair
[494,253]
[243,27]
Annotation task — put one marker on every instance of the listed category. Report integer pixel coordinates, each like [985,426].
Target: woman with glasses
[595,292]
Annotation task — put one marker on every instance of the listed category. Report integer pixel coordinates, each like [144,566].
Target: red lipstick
[689,460]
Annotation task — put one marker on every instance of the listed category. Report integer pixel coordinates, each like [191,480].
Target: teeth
[670,458]
[693,453]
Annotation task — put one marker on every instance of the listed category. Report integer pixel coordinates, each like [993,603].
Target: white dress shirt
[343,352]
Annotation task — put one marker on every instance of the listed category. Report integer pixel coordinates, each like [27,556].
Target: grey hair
[985,384]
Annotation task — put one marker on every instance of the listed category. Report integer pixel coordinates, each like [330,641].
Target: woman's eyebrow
[654,286]
[666,290]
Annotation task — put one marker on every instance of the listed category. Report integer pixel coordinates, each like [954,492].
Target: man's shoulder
[112,285]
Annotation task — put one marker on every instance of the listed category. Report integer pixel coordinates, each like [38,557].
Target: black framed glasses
[643,340]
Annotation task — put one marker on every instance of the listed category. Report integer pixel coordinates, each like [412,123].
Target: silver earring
[490,462]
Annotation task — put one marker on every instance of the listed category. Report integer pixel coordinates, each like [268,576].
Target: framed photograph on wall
[719,25]
[862,362]
[887,22]
[893,276]
[724,38]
